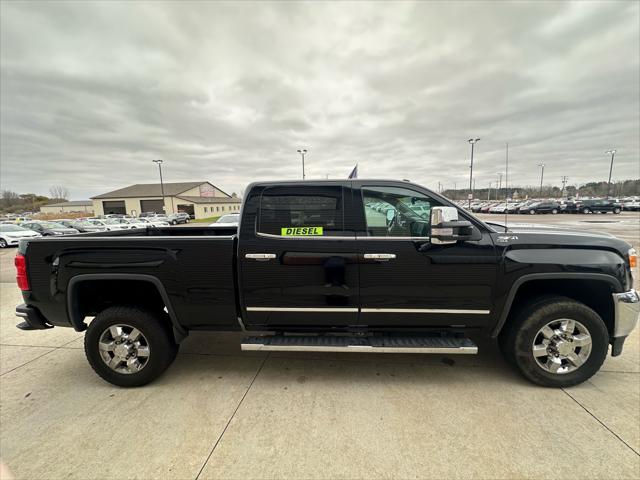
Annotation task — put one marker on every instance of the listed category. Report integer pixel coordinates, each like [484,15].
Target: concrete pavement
[220,413]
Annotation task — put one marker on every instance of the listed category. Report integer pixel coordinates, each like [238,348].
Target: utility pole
[472,141]
[302,153]
[613,154]
[564,182]
[159,162]
[541,177]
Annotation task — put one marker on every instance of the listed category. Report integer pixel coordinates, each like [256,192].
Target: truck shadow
[201,352]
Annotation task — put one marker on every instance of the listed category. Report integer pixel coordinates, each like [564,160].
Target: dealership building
[198,199]
[75,206]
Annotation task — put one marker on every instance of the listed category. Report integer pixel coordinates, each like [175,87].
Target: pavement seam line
[53,349]
[601,423]
[232,416]
[36,346]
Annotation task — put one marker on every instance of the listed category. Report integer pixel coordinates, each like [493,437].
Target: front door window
[397,212]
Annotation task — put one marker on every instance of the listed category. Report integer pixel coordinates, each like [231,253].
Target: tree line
[623,188]
[12,202]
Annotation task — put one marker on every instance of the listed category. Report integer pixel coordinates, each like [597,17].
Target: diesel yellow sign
[300,231]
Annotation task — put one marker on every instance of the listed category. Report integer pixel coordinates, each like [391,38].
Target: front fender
[613,282]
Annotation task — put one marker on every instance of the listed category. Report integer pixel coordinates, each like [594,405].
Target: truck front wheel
[556,342]
[129,346]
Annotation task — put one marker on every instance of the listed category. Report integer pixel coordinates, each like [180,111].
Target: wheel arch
[74,308]
[583,287]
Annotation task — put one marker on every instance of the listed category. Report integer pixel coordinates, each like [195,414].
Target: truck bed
[193,268]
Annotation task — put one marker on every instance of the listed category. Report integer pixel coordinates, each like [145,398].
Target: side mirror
[446,228]
[391,214]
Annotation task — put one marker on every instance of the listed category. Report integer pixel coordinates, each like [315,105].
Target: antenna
[506,187]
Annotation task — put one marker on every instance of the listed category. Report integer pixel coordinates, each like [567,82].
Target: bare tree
[59,192]
[9,198]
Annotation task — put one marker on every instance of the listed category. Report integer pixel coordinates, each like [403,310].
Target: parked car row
[11,233]
[533,207]
[171,219]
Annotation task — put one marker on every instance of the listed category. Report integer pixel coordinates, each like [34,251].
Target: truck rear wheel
[129,346]
[556,342]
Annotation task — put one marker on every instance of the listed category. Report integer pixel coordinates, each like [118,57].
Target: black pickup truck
[341,266]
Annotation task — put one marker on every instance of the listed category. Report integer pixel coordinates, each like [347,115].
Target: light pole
[159,162]
[489,192]
[472,141]
[499,183]
[541,177]
[564,183]
[302,153]
[613,154]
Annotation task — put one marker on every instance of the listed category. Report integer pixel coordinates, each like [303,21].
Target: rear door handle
[261,257]
[381,257]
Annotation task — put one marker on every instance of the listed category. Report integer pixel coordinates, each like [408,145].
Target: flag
[354,172]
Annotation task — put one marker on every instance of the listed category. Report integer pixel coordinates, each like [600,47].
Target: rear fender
[77,320]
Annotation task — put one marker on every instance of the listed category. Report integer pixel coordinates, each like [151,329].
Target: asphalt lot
[221,413]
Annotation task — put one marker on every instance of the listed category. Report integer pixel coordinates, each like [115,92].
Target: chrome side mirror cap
[446,228]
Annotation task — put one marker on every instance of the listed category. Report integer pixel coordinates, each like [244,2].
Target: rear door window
[302,211]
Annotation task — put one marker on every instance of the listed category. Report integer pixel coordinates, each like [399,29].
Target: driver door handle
[381,257]
[261,257]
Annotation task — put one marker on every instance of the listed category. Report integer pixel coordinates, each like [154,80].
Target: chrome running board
[327,343]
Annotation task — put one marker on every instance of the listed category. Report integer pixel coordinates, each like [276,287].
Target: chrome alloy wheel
[124,349]
[562,346]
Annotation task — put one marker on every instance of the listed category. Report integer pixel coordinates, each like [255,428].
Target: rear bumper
[33,319]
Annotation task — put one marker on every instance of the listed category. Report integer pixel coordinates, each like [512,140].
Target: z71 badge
[506,238]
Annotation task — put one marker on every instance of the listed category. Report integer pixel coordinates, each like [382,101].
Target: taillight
[21,272]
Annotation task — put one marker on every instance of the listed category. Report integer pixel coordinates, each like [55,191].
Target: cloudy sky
[91,92]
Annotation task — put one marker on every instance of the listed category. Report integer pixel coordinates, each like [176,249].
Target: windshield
[83,223]
[12,228]
[228,218]
[112,221]
[51,225]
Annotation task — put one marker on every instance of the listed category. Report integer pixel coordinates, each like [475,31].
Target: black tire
[187,221]
[586,210]
[517,339]
[554,211]
[532,212]
[157,332]
[174,222]
[3,243]
[616,211]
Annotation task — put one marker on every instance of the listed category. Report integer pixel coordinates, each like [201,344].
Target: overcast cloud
[91,92]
